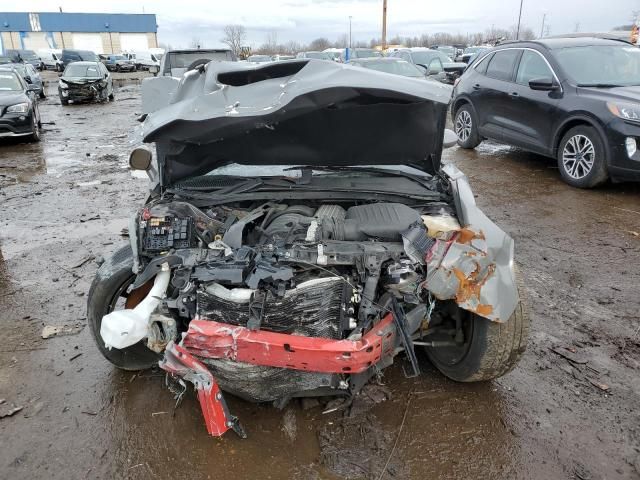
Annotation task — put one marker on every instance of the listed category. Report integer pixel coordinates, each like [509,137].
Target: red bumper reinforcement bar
[210,339]
[178,362]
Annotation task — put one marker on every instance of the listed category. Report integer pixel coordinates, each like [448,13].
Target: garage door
[35,41]
[88,41]
[130,42]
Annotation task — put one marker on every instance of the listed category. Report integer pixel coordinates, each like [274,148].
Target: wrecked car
[271,264]
[85,81]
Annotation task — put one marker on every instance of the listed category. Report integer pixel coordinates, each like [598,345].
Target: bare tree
[319,44]
[195,43]
[270,45]
[235,37]
[342,41]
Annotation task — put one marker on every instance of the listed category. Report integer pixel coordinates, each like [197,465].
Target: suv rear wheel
[465,125]
[581,157]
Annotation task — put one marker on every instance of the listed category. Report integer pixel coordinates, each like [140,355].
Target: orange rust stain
[470,288]
[484,310]
[466,235]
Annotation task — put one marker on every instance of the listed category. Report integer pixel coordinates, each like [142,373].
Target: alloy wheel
[578,156]
[463,125]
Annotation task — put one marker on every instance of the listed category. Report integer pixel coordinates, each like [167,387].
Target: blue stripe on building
[80,22]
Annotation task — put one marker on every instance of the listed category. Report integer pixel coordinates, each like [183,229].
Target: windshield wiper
[600,85]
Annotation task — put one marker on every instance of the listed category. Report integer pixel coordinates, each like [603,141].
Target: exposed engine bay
[317,270]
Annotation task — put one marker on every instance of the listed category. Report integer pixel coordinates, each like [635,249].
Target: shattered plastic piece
[10,412]
[59,330]
[123,328]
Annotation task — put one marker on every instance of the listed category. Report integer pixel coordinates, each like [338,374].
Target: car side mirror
[544,84]
[106,75]
[154,69]
[140,159]
[60,74]
[450,139]
[32,88]
[28,79]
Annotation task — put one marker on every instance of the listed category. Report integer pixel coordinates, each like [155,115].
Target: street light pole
[350,17]
[384,25]
[519,17]
[544,17]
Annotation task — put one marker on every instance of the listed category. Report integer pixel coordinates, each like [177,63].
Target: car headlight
[63,85]
[18,108]
[625,111]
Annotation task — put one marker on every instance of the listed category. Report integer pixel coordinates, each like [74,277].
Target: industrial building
[98,32]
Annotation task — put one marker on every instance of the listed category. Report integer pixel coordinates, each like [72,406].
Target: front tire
[35,129]
[582,157]
[110,286]
[466,127]
[491,349]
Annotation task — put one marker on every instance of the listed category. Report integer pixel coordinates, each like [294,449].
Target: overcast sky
[179,21]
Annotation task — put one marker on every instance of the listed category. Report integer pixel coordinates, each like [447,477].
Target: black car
[69,56]
[19,114]
[85,81]
[25,56]
[574,99]
[436,63]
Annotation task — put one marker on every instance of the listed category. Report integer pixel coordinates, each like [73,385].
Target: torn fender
[475,267]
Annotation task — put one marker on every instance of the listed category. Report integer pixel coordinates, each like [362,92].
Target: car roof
[11,65]
[201,50]
[376,59]
[566,41]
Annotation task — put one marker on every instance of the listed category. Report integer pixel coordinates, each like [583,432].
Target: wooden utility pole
[384,25]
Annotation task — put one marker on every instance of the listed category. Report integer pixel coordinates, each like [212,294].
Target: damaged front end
[83,90]
[307,283]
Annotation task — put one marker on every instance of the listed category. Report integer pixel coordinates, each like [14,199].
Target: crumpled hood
[80,80]
[309,112]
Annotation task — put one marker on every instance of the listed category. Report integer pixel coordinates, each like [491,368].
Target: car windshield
[85,71]
[286,170]
[29,55]
[88,56]
[366,53]
[9,82]
[184,59]
[398,68]
[318,55]
[117,57]
[601,65]
[20,70]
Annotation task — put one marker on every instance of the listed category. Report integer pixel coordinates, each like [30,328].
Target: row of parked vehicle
[58,59]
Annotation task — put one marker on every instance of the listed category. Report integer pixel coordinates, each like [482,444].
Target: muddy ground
[64,204]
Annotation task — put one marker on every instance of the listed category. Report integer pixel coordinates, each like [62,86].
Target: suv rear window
[502,64]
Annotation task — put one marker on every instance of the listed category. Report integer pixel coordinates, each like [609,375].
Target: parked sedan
[574,99]
[117,63]
[85,81]
[19,113]
[29,74]
[436,63]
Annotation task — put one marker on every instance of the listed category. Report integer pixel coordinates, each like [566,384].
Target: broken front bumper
[210,339]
